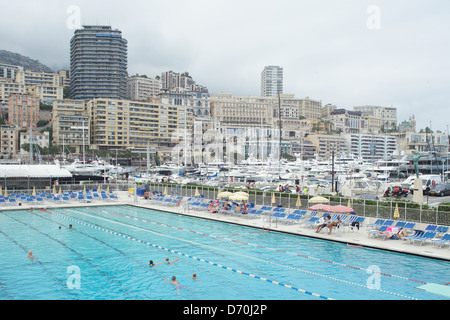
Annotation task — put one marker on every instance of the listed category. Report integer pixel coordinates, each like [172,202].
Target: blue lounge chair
[292,218]
[255,214]
[311,222]
[442,241]
[409,226]
[377,223]
[431,227]
[388,223]
[417,234]
[400,224]
[279,215]
[376,232]
[442,229]
[424,238]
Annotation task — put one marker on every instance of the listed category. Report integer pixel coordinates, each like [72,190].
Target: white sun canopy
[33,171]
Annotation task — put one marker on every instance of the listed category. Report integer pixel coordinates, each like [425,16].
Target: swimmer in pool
[175,283]
[31,256]
[151,264]
[194,276]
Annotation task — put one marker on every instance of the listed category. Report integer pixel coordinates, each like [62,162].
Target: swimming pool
[107,253]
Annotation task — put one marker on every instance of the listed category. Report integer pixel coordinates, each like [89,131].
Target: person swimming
[175,283]
[151,264]
[31,256]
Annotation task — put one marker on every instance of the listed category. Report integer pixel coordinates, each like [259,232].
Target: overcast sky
[344,52]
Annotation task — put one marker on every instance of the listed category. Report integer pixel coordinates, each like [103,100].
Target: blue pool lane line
[188,256]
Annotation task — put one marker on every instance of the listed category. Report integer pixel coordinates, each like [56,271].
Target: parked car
[369,197]
[440,190]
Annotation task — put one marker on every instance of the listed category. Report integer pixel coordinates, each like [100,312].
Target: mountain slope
[27,63]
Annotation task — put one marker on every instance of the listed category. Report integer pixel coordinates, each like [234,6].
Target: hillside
[27,63]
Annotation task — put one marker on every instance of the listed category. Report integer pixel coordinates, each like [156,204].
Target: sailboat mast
[279,124]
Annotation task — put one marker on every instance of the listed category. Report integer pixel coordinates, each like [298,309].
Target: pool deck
[353,238]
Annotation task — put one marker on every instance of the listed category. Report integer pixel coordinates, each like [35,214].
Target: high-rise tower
[98,63]
[271,81]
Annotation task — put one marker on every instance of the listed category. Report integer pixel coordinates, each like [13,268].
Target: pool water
[106,256]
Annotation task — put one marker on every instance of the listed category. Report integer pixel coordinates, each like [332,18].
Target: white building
[371,147]
[41,139]
[388,115]
[141,88]
[271,81]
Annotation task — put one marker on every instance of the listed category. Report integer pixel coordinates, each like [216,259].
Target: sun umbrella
[299,202]
[33,193]
[323,207]
[396,212]
[165,190]
[319,199]
[224,194]
[273,198]
[6,191]
[340,209]
[349,204]
[238,197]
[196,192]
[84,190]
[59,192]
[242,193]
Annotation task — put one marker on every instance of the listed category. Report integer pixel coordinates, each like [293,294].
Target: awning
[33,171]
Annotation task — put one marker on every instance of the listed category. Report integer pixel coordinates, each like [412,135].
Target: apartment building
[325,145]
[98,63]
[236,111]
[44,85]
[388,115]
[175,82]
[271,81]
[371,147]
[123,124]
[12,81]
[23,110]
[40,139]
[8,140]
[71,124]
[347,121]
[426,142]
[142,88]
